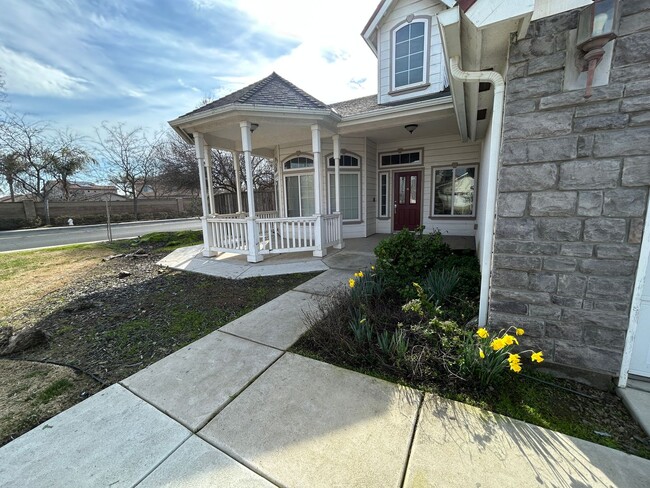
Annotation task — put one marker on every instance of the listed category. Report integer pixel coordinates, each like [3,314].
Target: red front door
[407,197]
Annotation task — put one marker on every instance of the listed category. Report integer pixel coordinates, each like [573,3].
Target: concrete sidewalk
[235,409]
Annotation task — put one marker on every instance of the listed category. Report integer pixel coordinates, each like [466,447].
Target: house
[481,128]
[82,191]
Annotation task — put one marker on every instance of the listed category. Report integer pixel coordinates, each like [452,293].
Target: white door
[640,362]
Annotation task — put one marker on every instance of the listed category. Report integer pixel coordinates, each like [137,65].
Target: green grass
[160,242]
[56,389]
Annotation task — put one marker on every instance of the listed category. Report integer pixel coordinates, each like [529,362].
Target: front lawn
[109,319]
[409,320]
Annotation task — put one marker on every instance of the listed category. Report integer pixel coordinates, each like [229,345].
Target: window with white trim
[384,181]
[454,191]
[300,195]
[401,158]
[350,187]
[410,51]
[299,162]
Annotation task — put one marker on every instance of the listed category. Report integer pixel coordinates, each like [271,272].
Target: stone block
[542,282]
[577,249]
[634,88]
[520,107]
[633,7]
[634,23]
[600,122]
[640,118]
[604,337]
[591,358]
[560,264]
[550,62]
[558,230]
[616,289]
[533,177]
[587,304]
[529,248]
[556,24]
[545,311]
[618,251]
[591,174]
[566,301]
[610,306]
[607,107]
[604,230]
[590,203]
[607,267]
[517,263]
[559,149]
[529,297]
[632,49]
[530,48]
[636,231]
[631,142]
[514,152]
[585,146]
[577,97]
[595,319]
[517,70]
[533,326]
[538,125]
[624,202]
[553,203]
[505,278]
[511,307]
[563,330]
[626,74]
[636,171]
[512,204]
[635,104]
[572,285]
[513,228]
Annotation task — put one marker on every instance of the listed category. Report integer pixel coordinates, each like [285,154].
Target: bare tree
[178,170]
[129,157]
[223,172]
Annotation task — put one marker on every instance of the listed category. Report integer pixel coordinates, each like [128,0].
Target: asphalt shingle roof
[356,106]
[272,90]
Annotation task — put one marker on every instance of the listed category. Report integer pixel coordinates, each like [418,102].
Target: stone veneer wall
[572,191]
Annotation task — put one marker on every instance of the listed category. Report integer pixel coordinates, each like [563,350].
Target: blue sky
[77,63]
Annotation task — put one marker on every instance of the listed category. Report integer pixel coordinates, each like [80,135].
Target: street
[15,240]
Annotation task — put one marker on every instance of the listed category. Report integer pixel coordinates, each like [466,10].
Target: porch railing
[228,234]
[331,229]
[290,234]
[265,214]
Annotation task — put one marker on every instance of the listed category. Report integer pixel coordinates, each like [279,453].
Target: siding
[396,16]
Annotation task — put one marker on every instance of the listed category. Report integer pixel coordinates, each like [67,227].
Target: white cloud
[26,76]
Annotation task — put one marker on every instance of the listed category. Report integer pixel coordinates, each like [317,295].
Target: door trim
[395,196]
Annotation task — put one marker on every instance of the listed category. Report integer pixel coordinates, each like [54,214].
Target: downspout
[493,166]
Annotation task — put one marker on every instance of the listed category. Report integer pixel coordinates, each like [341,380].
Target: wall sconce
[411,127]
[254,126]
[596,27]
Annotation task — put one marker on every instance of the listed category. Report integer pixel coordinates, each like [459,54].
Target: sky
[77,63]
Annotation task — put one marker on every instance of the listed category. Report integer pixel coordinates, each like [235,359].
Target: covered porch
[257,121]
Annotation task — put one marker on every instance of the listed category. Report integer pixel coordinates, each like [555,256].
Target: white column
[235,162]
[318,226]
[208,181]
[207,236]
[253,233]
[336,139]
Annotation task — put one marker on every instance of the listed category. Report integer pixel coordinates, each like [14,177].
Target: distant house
[481,127]
[82,191]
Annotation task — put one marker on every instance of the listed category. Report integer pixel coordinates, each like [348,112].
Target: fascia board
[485,13]
[388,113]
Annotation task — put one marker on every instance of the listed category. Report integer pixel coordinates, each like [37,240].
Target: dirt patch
[112,326]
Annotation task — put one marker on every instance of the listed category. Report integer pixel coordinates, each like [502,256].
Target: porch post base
[209,254]
[320,253]
[258,258]
[340,245]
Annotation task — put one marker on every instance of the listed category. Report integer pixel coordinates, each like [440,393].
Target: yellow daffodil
[516,367]
[360,274]
[519,331]
[498,344]
[372,268]
[351,282]
[537,357]
[482,333]
[515,362]
[481,354]
[510,340]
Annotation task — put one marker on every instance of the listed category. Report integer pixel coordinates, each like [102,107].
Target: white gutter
[493,165]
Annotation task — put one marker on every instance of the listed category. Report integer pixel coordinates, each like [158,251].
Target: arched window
[346,161]
[410,50]
[300,187]
[299,162]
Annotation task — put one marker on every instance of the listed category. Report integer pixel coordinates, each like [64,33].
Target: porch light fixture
[254,126]
[411,127]
[596,27]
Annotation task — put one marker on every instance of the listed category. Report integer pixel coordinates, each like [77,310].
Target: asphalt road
[15,240]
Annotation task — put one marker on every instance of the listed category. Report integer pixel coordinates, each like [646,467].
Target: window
[299,163]
[346,161]
[350,195]
[454,190]
[410,48]
[383,194]
[414,157]
[300,195]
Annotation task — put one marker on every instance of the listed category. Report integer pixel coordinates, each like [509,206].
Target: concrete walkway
[235,409]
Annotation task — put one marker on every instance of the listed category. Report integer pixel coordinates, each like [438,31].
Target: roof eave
[440,103]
